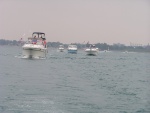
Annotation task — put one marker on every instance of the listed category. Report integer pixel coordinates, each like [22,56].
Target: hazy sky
[70,21]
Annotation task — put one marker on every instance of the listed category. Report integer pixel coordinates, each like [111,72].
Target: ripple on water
[65,83]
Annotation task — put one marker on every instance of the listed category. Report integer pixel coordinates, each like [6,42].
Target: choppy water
[112,82]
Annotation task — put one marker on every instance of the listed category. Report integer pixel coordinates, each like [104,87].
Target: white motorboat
[91,50]
[35,47]
[61,48]
[72,49]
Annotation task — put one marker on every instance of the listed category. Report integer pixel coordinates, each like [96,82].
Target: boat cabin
[37,38]
[92,46]
[72,46]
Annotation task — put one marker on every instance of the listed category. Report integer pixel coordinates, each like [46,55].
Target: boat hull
[34,52]
[61,49]
[91,52]
[72,51]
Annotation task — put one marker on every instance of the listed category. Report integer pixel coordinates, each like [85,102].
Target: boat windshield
[92,46]
[37,41]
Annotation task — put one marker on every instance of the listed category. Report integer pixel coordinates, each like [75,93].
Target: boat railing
[39,41]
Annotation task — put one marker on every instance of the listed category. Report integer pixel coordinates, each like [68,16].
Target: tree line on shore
[101,46]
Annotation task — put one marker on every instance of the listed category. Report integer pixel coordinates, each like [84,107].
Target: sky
[77,21]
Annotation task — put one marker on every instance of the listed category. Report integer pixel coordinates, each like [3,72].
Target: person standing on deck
[34,41]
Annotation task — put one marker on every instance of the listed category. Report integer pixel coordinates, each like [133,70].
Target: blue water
[111,82]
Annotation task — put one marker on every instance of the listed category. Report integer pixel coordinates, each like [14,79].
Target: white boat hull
[61,49]
[91,52]
[34,51]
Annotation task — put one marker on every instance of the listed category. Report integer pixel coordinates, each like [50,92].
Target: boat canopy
[39,35]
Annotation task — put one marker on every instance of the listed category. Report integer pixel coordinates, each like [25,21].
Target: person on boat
[41,37]
[44,41]
[34,41]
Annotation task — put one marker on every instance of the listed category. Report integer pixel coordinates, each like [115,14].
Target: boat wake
[25,57]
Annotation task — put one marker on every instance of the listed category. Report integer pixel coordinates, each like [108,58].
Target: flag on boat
[21,41]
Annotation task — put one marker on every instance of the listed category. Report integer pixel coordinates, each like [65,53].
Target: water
[112,82]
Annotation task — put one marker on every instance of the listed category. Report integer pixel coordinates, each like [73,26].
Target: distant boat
[61,48]
[72,48]
[35,47]
[126,52]
[106,50]
[91,50]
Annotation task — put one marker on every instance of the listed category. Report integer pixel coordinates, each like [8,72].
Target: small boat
[35,47]
[107,50]
[91,50]
[126,52]
[61,48]
[72,48]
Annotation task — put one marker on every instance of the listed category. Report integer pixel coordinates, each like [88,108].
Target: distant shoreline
[101,46]
[143,50]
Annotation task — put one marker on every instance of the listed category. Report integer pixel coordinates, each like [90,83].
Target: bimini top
[38,35]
